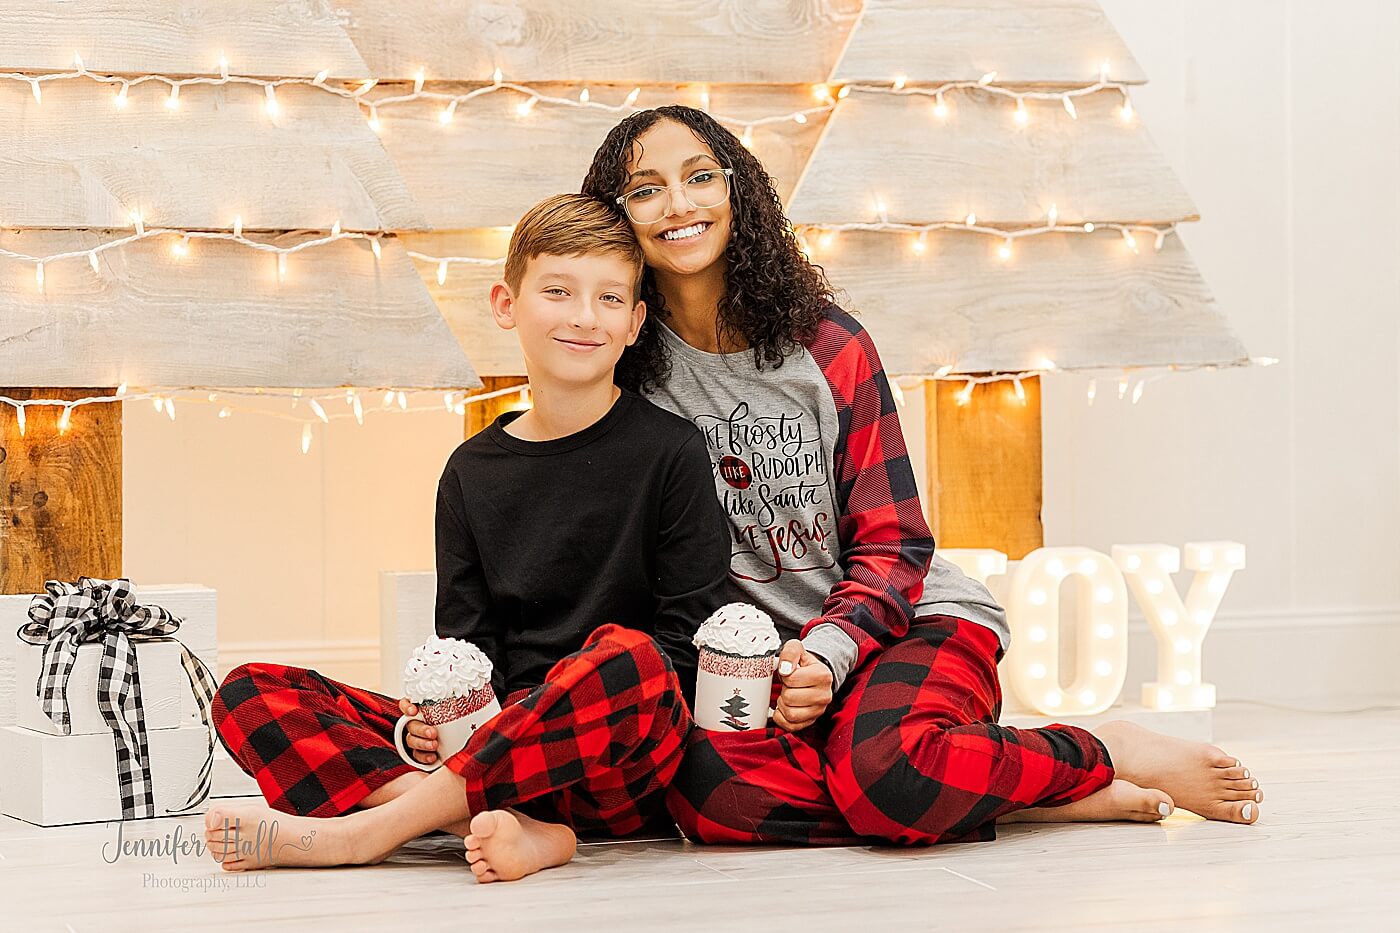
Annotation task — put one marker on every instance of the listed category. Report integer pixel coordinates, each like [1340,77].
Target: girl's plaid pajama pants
[593,747]
[909,752]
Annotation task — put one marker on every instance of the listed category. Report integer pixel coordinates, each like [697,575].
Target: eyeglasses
[704,189]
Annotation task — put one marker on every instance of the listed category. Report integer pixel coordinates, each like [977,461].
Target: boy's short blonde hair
[570,225]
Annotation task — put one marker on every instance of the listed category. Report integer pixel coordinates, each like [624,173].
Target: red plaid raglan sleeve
[886,544]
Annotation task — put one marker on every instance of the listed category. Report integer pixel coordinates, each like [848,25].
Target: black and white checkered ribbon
[67,615]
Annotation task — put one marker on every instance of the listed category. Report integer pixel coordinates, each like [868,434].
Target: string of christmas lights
[827,97]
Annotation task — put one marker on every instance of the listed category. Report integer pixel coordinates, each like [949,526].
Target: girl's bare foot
[1199,777]
[243,837]
[1121,800]
[504,845]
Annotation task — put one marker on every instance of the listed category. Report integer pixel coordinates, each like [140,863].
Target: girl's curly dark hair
[774,298]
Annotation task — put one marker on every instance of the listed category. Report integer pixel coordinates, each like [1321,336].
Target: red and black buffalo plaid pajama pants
[593,747]
[910,752]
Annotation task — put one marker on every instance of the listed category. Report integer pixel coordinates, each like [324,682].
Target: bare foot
[1121,800]
[243,837]
[505,846]
[1199,777]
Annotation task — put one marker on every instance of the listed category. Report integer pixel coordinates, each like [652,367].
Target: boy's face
[574,315]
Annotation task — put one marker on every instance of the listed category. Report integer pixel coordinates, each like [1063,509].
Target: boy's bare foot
[1199,777]
[1121,800]
[244,837]
[505,846]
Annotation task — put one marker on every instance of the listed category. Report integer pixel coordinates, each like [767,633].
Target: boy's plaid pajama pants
[593,747]
[909,752]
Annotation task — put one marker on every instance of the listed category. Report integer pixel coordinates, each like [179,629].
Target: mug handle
[399,747]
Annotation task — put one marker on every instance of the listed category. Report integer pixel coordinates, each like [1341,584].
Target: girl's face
[683,239]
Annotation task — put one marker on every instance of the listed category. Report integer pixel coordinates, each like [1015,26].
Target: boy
[592,512]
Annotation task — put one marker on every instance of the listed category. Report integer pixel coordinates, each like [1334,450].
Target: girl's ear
[503,305]
[639,316]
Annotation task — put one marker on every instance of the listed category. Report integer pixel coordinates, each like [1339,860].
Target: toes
[484,824]
[1239,795]
[1220,759]
[489,876]
[475,854]
[1242,785]
[1233,774]
[481,867]
[471,842]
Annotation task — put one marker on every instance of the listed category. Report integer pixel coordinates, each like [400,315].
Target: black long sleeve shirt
[540,542]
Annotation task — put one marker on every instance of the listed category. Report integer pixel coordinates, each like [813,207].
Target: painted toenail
[1246,772]
[1164,809]
[1238,763]
[1248,812]
[1254,784]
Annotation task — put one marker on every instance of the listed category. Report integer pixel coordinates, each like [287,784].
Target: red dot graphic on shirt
[735,472]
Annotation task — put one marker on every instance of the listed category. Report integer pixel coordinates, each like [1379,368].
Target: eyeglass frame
[728,174]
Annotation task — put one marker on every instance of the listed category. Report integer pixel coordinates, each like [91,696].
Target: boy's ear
[503,305]
[639,316]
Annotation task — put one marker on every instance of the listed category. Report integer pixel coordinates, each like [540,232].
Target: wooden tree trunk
[984,468]
[481,414]
[60,494]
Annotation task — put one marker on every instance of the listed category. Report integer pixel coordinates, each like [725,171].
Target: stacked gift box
[51,777]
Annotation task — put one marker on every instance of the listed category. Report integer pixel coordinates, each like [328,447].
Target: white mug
[732,704]
[452,736]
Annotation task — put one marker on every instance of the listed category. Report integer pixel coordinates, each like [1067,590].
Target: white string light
[181,248]
[826,98]
[826,232]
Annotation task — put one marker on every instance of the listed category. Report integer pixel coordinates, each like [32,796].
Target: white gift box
[196,604]
[166,696]
[406,604]
[54,780]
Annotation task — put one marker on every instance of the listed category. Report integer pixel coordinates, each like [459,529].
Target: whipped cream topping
[445,667]
[739,628]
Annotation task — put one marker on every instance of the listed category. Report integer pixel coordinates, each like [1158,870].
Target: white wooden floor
[1326,855]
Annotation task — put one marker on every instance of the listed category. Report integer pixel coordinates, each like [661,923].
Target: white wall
[1281,119]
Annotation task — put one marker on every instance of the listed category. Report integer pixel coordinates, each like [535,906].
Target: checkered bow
[67,615]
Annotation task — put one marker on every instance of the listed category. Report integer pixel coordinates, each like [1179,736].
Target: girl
[886,722]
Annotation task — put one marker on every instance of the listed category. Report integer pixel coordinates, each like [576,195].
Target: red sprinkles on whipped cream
[738,640]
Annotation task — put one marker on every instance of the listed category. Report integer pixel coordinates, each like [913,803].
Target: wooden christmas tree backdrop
[945,161]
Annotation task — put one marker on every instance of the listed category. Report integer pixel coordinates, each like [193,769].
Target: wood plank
[464,296]
[735,41]
[482,414]
[1023,41]
[489,165]
[61,505]
[928,169]
[1082,300]
[219,317]
[984,467]
[84,163]
[267,38]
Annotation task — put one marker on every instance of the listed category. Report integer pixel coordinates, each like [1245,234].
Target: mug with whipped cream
[450,681]
[738,654]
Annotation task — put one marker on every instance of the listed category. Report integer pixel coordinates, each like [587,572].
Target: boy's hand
[806,689]
[420,737]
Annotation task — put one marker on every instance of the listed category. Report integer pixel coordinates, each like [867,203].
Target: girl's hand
[806,691]
[420,737]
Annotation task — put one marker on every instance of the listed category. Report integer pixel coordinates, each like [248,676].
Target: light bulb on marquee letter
[1101,626]
[977,563]
[1180,627]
